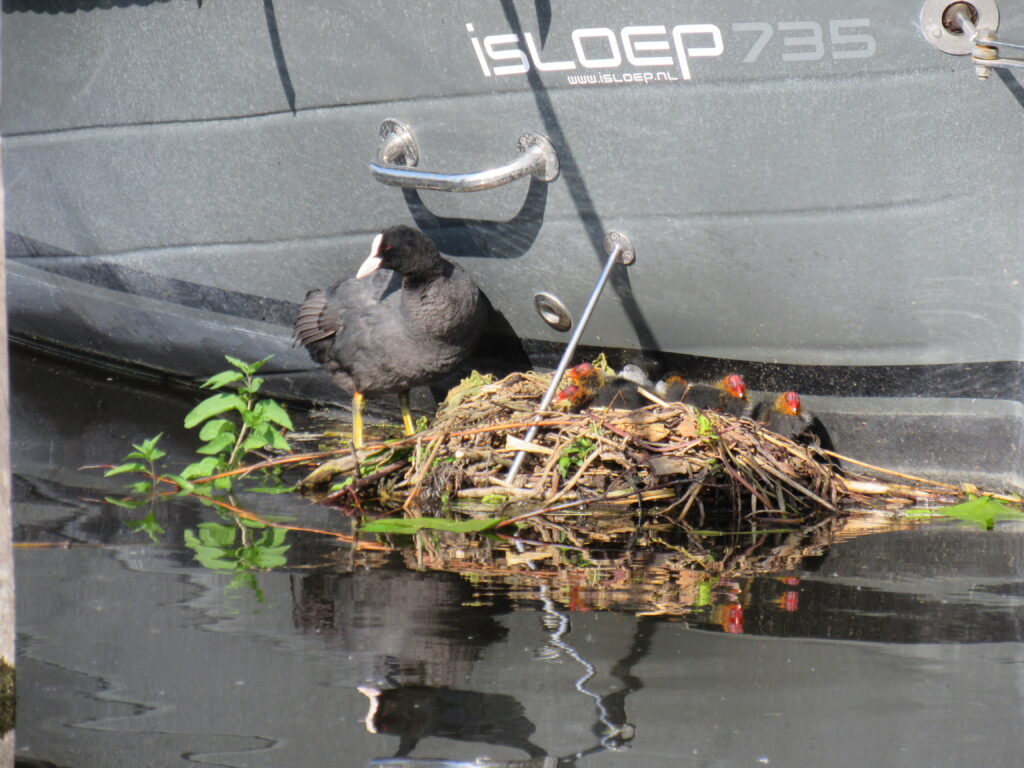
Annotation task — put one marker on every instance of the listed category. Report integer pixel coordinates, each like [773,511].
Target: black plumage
[785,415]
[727,395]
[622,393]
[409,317]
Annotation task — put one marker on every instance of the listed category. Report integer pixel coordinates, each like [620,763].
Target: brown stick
[422,473]
[340,536]
[891,472]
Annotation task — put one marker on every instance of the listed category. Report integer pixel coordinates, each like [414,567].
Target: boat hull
[812,201]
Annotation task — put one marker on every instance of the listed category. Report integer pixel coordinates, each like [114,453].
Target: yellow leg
[357,419]
[403,401]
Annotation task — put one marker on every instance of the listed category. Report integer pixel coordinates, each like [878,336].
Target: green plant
[233,424]
[574,455]
[244,423]
[983,511]
[215,548]
[409,525]
[704,426]
[143,461]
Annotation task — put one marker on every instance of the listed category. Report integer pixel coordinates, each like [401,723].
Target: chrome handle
[398,154]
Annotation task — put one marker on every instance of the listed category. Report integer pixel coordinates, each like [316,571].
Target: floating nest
[690,487]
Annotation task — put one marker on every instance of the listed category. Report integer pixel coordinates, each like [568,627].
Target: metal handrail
[398,155]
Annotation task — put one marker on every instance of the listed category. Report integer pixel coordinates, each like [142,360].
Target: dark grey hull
[828,203]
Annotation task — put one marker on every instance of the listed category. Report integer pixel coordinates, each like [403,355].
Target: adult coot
[407,318]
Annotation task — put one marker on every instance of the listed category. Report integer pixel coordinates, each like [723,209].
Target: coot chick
[785,416]
[621,392]
[672,388]
[584,382]
[570,398]
[414,319]
[727,395]
[587,377]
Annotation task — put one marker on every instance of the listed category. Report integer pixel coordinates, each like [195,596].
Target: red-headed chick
[569,398]
[727,395]
[588,379]
[785,415]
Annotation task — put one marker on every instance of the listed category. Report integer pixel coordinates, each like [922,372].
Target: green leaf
[183,484]
[211,557]
[213,406]
[222,379]
[148,449]
[204,468]
[265,557]
[143,486]
[241,365]
[261,436]
[983,511]
[217,534]
[127,503]
[704,425]
[215,427]
[265,435]
[273,537]
[253,443]
[252,386]
[149,525]
[269,410]
[342,485]
[407,525]
[278,441]
[220,443]
[272,489]
[248,368]
[131,466]
[260,363]
[494,498]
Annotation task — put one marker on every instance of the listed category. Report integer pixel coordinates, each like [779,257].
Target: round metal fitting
[627,255]
[549,172]
[940,29]
[552,311]
[397,144]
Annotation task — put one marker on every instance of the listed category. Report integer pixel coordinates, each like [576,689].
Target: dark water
[897,649]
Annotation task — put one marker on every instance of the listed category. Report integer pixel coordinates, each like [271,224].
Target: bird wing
[311,324]
[323,313]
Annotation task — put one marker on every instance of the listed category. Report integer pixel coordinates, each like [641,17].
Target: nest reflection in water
[665,486]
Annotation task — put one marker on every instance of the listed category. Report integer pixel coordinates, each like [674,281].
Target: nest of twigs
[666,478]
[694,461]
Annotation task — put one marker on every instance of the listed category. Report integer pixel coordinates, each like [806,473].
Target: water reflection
[901,648]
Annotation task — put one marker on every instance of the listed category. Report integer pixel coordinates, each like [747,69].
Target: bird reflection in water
[417,711]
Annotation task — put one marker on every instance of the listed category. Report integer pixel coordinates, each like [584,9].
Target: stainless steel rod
[570,350]
[529,162]
[537,158]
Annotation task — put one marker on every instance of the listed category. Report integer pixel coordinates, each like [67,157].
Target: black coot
[407,318]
